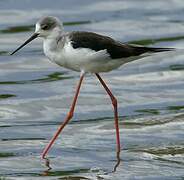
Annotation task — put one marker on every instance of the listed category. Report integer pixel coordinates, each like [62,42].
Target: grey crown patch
[48,23]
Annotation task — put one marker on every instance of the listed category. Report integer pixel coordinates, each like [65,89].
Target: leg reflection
[118,160]
[47,164]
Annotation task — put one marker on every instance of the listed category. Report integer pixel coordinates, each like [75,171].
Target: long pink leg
[115,105]
[68,117]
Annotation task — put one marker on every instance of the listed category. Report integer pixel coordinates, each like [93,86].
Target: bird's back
[114,48]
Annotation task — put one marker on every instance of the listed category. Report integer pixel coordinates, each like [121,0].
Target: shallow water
[35,94]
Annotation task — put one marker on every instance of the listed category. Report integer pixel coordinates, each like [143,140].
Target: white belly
[83,59]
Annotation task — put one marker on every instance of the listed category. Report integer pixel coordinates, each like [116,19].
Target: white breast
[76,59]
[80,59]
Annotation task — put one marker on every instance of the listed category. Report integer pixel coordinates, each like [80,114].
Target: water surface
[35,94]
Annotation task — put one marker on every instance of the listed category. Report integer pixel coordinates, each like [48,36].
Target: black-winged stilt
[85,52]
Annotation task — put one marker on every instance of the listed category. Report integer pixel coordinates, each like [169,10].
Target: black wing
[115,49]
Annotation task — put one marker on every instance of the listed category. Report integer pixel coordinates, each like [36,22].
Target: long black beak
[35,35]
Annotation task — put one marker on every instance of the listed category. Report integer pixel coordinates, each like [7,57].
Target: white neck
[51,41]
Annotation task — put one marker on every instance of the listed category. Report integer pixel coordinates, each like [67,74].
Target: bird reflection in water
[118,160]
[48,166]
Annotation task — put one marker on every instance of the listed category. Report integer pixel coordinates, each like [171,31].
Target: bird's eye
[45,27]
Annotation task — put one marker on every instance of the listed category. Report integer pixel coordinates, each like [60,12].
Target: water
[35,94]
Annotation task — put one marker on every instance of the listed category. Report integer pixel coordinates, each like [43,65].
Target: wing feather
[114,48]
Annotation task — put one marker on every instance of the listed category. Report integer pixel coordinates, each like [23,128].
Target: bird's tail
[153,49]
[138,50]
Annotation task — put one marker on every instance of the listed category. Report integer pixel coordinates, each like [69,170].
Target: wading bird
[85,52]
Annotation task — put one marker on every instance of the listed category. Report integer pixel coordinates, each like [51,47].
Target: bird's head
[46,27]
